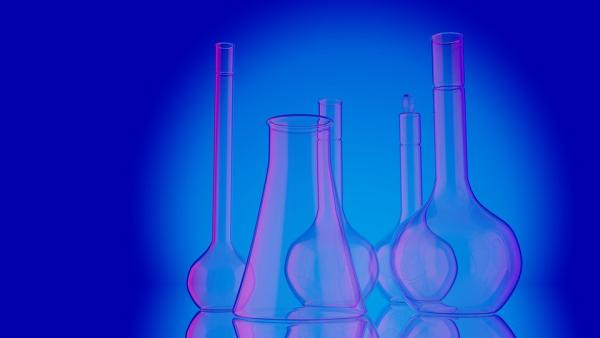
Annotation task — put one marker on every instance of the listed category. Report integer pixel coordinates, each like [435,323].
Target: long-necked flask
[214,278]
[454,256]
[411,195]
[299,266]
[363,253]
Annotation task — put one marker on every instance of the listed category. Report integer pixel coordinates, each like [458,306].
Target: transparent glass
[454,256]
[207,324]
[348,328]
[299,267]
[457,327]
[214,278]
[363,253]
[411,195]
[393,320]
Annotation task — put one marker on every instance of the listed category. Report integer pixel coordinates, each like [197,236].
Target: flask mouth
[299,122]
[224,58]
[447,38]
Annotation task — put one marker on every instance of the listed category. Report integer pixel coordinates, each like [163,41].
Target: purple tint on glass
[363,253]
[410,194]
[299,267]
[214,278]
[454,256]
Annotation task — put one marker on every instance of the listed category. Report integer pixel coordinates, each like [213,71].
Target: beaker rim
[300,122]
[447,38]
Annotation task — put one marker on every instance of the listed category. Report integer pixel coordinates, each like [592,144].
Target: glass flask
[411,195]
[211,324]
[454,256]
[299,267]
[457,327]
[214,278]
[363,254]
[348,328]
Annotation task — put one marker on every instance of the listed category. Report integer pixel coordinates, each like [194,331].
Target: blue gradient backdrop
[130,144]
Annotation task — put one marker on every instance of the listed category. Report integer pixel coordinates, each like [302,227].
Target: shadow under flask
[454,256]
[411,195]
[299,266]
[214,278]
[363,253]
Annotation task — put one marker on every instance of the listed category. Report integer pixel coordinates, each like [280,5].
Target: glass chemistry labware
[454,256]
[363,253]
[214,278]
[299,266]
[411,195]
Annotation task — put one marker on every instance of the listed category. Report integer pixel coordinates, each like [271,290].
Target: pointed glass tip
[408,103]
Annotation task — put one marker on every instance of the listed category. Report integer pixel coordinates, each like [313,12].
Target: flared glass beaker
[299,266]
[454,256]
[214,278]
[363,253]
[410,195]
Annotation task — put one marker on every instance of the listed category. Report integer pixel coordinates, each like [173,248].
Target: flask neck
[451,174]
[332,109]
[411,194]
[329,203]
[449,115]
[223,114]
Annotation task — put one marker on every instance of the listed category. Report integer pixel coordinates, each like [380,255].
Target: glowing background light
[369,57]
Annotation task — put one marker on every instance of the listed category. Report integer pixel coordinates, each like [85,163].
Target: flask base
[439,308]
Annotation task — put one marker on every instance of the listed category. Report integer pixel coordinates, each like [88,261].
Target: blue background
[108,143]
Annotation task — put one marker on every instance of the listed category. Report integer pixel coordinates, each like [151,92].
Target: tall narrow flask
[363,254]
[411,195]
[214,278]
[454,256]
[299,267]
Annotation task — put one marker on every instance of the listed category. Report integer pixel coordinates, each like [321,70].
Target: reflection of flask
[454,256]
[214,278]
[455,327]
[211,325]
[299,267]
[363,254]
[410,194]
[347,328]
[393,320]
